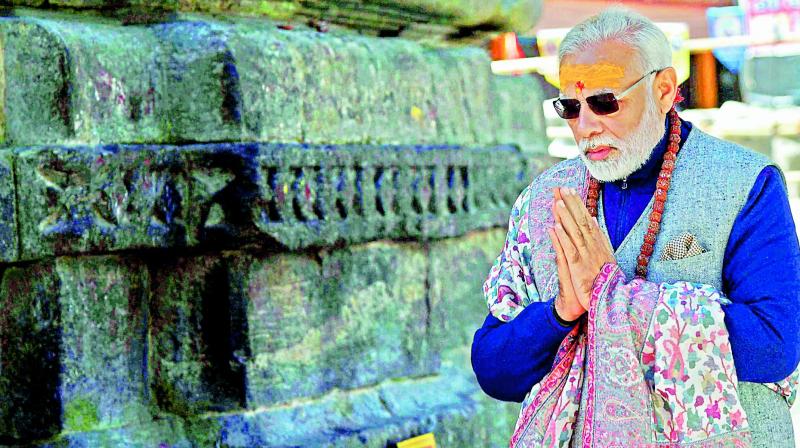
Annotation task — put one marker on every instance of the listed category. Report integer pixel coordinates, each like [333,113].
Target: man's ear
[666,88]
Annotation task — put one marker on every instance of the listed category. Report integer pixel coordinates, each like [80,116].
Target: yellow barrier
[423,441]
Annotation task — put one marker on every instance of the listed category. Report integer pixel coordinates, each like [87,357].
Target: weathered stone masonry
[218,231]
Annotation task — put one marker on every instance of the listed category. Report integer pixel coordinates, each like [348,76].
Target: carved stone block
[194,322]
[103,370]
[360,320]
[30,353]
[100,199]
[202,82]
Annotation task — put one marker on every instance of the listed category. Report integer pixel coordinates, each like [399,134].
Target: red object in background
[505,46]
[693,2]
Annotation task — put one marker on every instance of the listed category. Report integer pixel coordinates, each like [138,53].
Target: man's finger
[580,214]
[565,218]
[566,289]
[564,276]
[597,236]
[556,198]
[571,254]
[561,261]
[601,237]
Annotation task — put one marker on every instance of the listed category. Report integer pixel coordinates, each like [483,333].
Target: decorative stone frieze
[111,198]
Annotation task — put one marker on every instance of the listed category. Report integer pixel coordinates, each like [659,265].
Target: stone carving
[99,199]
[358,194]
[110,198]
[217,230]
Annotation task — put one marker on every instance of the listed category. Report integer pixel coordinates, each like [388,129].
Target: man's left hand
[585,246]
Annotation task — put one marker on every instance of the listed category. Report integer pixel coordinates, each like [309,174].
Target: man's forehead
[596,76]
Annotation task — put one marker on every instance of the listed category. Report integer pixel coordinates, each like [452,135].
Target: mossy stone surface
[284,355]
[450,98]
[344,347]
[272,82]
[165,432]
[234,231]
[368,16]
[459,266]
[371,417]
[520,119]
[103,378]
[333,111]
[358,319]
[9,231]
[102,199]
[116,94]
[205,80]
[474,69]
[30,353]
[192,328]
[403,92]
[37,75]
[203,98]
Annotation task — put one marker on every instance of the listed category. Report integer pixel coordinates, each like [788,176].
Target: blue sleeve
[761,276]
[510,357]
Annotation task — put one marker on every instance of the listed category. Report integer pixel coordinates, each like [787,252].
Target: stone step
[447,405]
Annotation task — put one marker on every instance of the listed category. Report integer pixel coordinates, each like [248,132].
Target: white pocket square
[682,246]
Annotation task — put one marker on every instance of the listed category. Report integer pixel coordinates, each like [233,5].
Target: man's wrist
[561,321]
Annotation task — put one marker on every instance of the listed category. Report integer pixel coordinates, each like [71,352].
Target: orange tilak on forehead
[590,76]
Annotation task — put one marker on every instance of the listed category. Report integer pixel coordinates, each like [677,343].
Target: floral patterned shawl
[654,360]
[658,369]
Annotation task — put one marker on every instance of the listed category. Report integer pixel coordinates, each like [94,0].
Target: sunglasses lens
[603,104]
[567,108]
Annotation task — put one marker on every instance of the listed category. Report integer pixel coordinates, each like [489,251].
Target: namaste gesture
[581,250]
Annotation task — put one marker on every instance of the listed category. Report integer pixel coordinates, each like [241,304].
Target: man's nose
[587,124]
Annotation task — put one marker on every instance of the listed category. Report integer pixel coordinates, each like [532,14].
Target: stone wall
[219,231]
[357,346]
[430,20]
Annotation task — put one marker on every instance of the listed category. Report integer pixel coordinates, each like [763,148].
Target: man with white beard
[652,202]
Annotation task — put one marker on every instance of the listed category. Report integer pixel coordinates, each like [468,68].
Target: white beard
[633,151]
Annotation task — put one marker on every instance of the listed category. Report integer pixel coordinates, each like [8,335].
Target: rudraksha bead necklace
[662,187]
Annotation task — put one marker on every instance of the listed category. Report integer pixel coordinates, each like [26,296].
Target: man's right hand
[567,305]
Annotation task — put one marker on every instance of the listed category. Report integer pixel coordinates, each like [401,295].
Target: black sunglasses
[600,104]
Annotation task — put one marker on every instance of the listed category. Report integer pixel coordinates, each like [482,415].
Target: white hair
[624,26]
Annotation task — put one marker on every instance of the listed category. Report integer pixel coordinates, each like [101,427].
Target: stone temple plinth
[253,223]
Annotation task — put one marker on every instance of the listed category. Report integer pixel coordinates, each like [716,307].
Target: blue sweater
[761,277]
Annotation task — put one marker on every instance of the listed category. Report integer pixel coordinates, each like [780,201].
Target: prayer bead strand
[662,187]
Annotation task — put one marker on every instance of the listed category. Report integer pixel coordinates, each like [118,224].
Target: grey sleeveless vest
[710,185]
